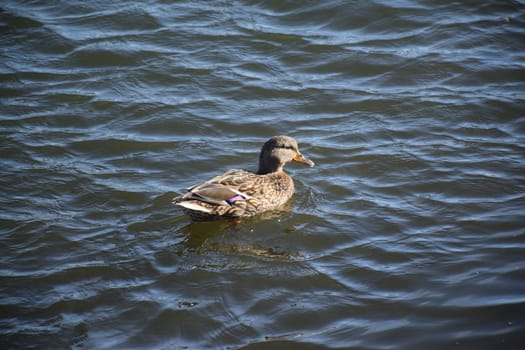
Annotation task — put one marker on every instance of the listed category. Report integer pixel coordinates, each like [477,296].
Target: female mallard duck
[240,193]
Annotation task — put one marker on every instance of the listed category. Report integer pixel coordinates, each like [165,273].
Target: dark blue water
[408,233]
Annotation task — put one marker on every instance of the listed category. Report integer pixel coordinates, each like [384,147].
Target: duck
[239,193]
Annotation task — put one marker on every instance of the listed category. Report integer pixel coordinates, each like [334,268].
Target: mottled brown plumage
[240,193]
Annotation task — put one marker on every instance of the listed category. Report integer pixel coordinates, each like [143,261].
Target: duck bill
[299,158]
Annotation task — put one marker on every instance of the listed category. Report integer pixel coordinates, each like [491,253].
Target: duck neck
[269,165]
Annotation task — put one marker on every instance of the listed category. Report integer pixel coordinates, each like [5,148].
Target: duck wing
[215,193]
[220,190]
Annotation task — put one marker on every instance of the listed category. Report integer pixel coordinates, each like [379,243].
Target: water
[408,233]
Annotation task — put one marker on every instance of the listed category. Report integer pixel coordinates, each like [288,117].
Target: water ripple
[407,233]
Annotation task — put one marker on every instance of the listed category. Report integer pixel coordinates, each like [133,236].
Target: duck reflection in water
[204,237]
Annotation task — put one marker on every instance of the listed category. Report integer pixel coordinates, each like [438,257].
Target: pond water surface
[407,234]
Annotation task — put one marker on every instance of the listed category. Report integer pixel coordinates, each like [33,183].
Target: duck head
[278,151]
